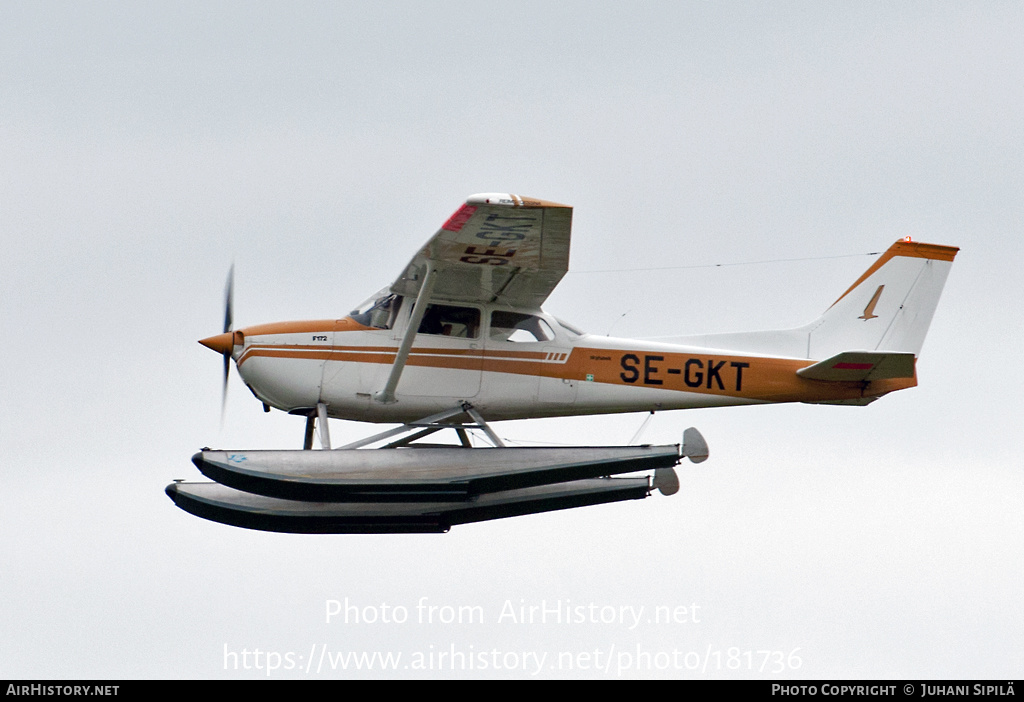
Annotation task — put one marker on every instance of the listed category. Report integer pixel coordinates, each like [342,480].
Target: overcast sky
[144,147]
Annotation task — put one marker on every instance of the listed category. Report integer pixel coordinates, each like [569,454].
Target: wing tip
[511,200]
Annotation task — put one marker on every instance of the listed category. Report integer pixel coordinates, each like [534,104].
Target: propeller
[229,294]
[224,343]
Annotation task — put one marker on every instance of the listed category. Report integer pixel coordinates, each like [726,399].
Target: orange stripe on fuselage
[749,377]
[432,357]
[313,326]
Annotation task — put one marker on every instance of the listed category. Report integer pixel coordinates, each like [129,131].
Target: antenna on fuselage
[609,333]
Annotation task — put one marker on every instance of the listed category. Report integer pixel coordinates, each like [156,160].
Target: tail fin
[890,307]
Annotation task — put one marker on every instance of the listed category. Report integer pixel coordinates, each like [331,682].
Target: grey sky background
[146,146]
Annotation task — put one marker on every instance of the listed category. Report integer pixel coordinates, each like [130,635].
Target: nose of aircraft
[221,343]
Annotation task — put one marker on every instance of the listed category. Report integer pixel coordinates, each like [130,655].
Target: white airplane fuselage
[293,366]
[462,324]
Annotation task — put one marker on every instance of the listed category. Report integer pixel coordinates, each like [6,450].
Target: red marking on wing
[458,220]
[853,366]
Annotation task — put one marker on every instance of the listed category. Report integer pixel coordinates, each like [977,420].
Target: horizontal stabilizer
[420,474]
[861,365]
[222,504]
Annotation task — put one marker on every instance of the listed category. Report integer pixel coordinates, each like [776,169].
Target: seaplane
[459,340]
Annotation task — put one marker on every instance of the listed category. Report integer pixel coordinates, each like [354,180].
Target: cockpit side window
[447,320]
[519,327]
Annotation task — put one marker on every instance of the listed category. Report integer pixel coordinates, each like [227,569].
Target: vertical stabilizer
[890,307]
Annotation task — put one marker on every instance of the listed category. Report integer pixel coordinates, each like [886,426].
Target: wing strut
[387,395]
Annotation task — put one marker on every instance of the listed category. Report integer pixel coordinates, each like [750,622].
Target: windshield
[378,311]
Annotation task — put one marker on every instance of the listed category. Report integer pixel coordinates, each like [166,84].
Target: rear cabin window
[519,327]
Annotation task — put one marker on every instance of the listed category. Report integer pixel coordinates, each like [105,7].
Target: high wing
[497,247]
